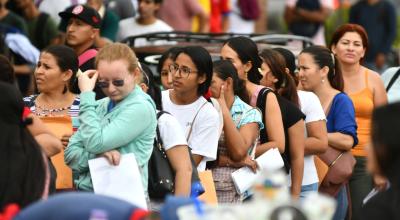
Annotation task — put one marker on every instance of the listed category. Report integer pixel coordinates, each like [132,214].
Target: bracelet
[334,161]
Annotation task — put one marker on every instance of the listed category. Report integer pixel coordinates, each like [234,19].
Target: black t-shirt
[88,65]
[291,114]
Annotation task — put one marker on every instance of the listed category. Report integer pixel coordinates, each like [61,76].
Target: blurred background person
[307,18]
[383,159]
[379,19]
[145,23]
[23,173]
[179,14]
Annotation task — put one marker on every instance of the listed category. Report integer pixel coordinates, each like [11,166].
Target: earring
[322,81]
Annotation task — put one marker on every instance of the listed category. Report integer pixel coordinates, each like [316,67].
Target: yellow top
[363,105]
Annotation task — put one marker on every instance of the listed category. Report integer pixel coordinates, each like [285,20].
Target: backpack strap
[261,102]
[158,135]
[87,55]
[392,80]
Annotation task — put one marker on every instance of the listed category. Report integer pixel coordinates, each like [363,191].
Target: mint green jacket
[129,128]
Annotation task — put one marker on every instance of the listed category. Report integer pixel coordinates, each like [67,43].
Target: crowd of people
[72,93]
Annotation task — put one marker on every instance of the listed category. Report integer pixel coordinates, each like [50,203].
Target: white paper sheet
[244,178]
[123,181]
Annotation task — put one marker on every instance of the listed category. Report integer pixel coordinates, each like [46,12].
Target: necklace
[48,111]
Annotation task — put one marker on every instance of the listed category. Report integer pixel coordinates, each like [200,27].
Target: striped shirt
[73,111]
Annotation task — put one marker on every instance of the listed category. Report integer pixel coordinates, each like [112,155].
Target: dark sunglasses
[106,84]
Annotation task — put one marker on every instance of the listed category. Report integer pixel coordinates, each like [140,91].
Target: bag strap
[87,55]
[392,80]
[191,125]
[261,102]
[158,135]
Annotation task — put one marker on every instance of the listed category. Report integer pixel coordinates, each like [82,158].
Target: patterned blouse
[242,114]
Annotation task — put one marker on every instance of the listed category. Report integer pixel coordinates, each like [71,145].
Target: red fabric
[207,95]
[139,214]
[9,212]
[26,112]
[219,8]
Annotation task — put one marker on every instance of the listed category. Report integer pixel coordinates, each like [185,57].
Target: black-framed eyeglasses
[183,71]
[106,84]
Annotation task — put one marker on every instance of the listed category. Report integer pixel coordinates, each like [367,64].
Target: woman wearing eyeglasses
[123,122]
[191,77]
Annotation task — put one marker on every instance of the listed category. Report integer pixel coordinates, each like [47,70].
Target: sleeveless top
[363,104]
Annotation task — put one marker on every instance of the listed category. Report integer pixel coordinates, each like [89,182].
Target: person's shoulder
[208,110]
[342,99]
[163,25]
[388,74]
[374,77]
[127,21]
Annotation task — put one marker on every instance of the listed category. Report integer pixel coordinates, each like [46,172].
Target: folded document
[244,177]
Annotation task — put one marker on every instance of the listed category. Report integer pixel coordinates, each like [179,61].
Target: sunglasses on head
[106,84]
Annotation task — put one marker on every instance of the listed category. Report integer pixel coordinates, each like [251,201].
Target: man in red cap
[82,30]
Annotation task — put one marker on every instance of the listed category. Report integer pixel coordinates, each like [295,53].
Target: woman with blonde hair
[123,122]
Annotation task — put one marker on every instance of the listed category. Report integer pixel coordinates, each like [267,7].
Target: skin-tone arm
[274,125]
[204,22]
[224,161]
[197,158]
[50,144]
[22,69]
[340,141]
[380,96]
[296,143]
[237,141]
[314,16]
[292,14]
[317,140]
[178,156]
[225,23]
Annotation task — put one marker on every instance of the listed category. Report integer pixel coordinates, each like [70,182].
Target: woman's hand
[65,139]
[221,100]
[113,156]
[247,162]
[87,80]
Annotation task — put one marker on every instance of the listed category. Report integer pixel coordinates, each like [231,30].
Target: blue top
[341,117]
[243,114]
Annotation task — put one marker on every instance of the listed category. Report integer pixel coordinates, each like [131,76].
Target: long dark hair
[203,62]
[22,167]
[154,90]
[66,59]
[290,61]
[285,86]
[171,53]
[225,69]
[324,57]
[247,52]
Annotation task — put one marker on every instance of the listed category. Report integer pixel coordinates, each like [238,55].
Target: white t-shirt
[205,132]
[319,37]
[170,131]
[129,27]
[394,91]
[237,23]
[312,108]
